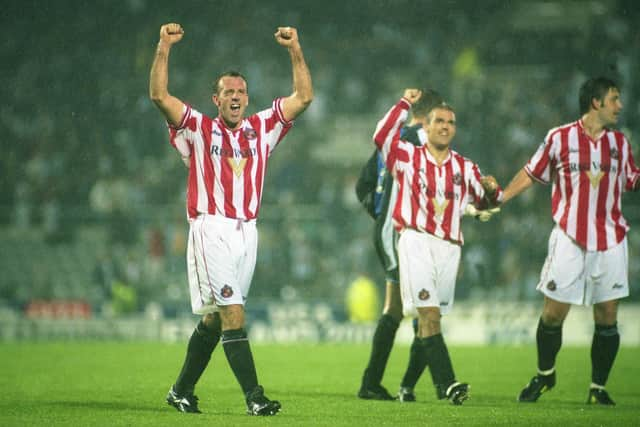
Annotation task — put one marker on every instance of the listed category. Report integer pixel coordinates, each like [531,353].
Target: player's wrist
[163,45]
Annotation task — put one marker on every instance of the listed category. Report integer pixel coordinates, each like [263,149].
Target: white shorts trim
[428,270]
[221,258]
[573,275]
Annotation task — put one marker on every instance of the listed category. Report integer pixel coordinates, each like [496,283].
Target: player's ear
[214,99]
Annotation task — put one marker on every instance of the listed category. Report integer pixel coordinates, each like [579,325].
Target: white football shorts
[221,258]
[574,275]
[428,270]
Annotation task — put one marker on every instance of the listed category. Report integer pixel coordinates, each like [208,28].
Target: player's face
[442,127]
[232,99]
[610,108]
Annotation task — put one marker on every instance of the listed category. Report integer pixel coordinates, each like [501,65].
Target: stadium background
[92,220]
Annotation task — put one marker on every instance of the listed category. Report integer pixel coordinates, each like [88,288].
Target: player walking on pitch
[377,189]
[435,186]
[227,158]
[589,166]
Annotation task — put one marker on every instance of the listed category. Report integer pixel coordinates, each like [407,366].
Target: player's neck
[439,152]
[592,126]
[230,125]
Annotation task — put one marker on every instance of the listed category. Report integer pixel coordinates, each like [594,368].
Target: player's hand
[489,184]
[412,95]
[286,36]
[171,33]
[483,215]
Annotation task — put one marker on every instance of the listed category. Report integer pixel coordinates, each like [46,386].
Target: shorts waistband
[226,220]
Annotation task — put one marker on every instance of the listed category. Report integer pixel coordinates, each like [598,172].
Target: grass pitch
[113,384]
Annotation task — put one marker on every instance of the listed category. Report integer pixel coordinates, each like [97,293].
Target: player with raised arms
[435,184]
[227,158]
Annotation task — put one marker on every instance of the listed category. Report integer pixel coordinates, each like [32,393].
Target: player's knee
[232,316]
[212,322]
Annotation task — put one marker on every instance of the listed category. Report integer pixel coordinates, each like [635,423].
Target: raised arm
[518,184]
[169,105]
[388,129]
[302,94]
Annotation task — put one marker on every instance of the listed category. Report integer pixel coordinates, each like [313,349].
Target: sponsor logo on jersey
[238,166]
[617,286]
[595,178]
[551,286]
[226,291]
[439,208]
[423,295]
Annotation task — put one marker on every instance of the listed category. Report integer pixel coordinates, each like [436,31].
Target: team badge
[250,134]
[614,153]
[423,295]
[457,179]
[226,291]
[551,286]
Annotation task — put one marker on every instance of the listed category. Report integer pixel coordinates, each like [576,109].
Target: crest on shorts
[551,286]
[226,291]
[250,134]
[457,178]
[423,295]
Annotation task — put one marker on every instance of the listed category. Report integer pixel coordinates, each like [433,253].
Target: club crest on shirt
[250,134]
[614,153]
[595,178]
[439,208]
[551,286]
[457,179]
[226,291]
[423,295]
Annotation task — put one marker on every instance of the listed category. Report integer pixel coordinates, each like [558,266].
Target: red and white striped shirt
[227,167]
[431,198]
[588,180]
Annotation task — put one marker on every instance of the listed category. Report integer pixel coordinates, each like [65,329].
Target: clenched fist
[286,36]
[171,33]
[412,95]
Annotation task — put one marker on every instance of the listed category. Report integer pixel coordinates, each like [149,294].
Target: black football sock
[383,339]
[201,344]
[439,364]
[238,352]
[604,349]
[549,341]
[417,363]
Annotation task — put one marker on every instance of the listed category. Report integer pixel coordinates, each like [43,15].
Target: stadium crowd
[92,194]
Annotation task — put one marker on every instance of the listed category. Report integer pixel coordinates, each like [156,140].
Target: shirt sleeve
[631,171]
[274,125]
[180,136]
[540,166]
[395,152]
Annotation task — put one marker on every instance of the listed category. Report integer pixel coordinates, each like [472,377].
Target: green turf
[112,384]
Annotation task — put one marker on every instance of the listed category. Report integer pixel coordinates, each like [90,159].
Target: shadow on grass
[105,406]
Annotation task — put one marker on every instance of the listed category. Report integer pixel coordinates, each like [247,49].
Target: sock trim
[547,372]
